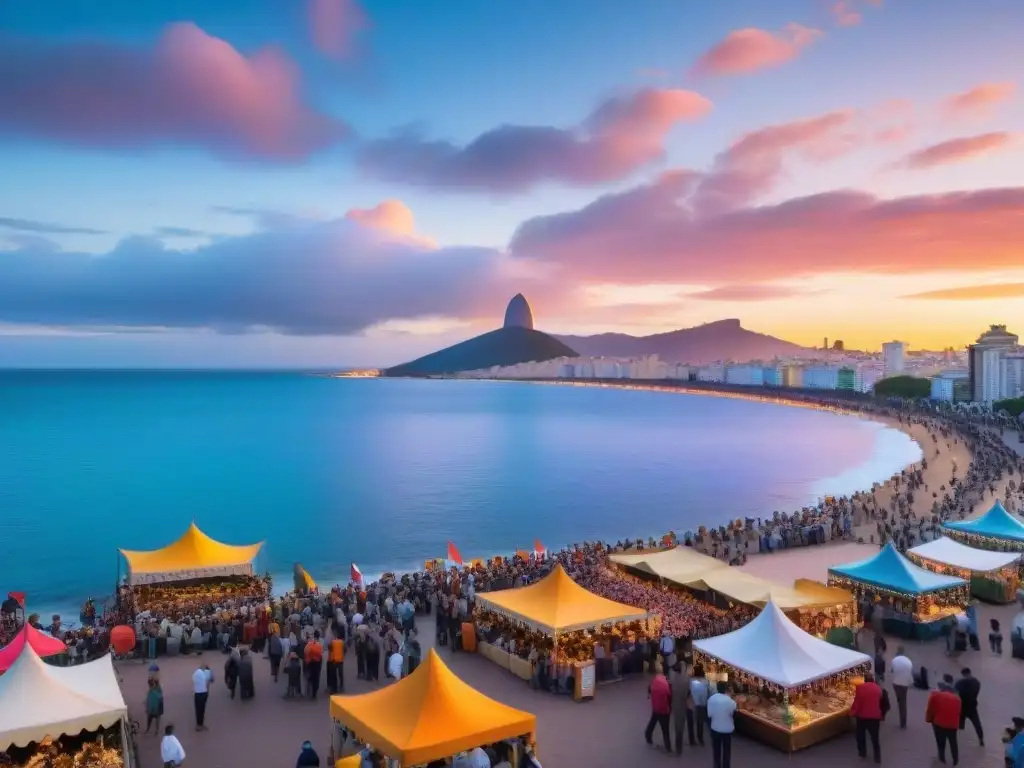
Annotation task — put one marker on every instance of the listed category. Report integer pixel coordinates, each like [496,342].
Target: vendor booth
[194,556]
[429,715]
[682,566]
[914,602]
[791,689]
[559,615]
[43,645]
[994,576]
[996,530]
[73,716]
[813,606]
[194,570]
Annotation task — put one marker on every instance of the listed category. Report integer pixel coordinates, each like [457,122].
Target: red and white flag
[538,548]
[453,553]
[356,575]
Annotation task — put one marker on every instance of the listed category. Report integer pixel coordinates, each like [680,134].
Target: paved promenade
[604,733]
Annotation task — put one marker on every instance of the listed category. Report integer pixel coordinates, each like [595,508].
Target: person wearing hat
[308,758]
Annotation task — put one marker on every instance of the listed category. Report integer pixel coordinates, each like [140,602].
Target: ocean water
[385,472]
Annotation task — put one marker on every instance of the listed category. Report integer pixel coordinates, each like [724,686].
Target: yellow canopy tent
[680,565]
[752,590]
[194,556]
[352,761]
[557,604]
[822,594]
[429,715]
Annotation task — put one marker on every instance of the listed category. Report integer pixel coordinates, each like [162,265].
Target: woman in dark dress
[246,681]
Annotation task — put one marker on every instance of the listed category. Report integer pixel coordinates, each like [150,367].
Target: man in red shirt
[660,693]
[867,714]
[943,712]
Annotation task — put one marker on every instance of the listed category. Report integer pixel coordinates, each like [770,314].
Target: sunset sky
[329,182]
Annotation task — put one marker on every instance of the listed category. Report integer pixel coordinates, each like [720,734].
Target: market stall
[791,689]
[194,570]
[915,603]
[682,566]
[996,530]
[43,645]
[44,711]
[558,614]
[994,576]
[429,715]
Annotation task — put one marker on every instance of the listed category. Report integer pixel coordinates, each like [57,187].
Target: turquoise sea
[384,472]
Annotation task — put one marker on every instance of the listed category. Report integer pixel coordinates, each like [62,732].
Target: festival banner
[356,575]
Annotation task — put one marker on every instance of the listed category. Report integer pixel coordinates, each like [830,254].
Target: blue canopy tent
[914,602]
[996,530]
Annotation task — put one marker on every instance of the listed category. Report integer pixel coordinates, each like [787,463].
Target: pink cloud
[845,15]
[958,150]
[973,293]
[751,292]
[979,99]
[191,89]
[619,137]
[652,234]
[752,166]
[334,26]
[391,217]
[748,50]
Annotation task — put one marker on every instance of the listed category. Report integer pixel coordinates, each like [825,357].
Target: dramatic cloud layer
[753,165]
[334,26]
[749,50]
[973,293]
[621,136]
[191,89]
[45,228]
[763,292]
[392,216]
[845,15]
[652,234]
[334,277]
[979,99]
[958,150]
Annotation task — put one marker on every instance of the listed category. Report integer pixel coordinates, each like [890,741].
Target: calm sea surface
[384,472]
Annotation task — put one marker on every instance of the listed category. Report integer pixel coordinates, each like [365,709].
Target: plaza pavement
[606,732]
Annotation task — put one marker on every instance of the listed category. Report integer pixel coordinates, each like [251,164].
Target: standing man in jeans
[721,709]
[699,692]
[866,712]
[201,680]
[902,679]
[660,694]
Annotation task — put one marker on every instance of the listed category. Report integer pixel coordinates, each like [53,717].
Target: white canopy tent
[775,649]
[950,552]
[38,700]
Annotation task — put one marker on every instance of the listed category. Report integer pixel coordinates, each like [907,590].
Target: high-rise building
[892,357]
[984,361]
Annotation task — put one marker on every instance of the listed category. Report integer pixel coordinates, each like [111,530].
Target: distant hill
[505,346]
[721,340]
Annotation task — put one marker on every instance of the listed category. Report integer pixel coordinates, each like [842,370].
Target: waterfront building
[846,379]
[821,377]
[984,358]
[793,376]
[711,373]
[773,376]
[893,357]
[946,385]
[745,375]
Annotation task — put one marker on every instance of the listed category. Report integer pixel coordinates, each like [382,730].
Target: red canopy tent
[42,644]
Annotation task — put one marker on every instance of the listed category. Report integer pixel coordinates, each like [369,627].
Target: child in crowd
[995,637]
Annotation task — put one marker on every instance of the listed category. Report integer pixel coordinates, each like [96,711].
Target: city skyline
[332,182]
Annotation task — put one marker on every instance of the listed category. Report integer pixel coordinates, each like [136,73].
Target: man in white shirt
[171,752]
[902,678]
[201,680]
[667,647]
[721,709]
[395,665]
